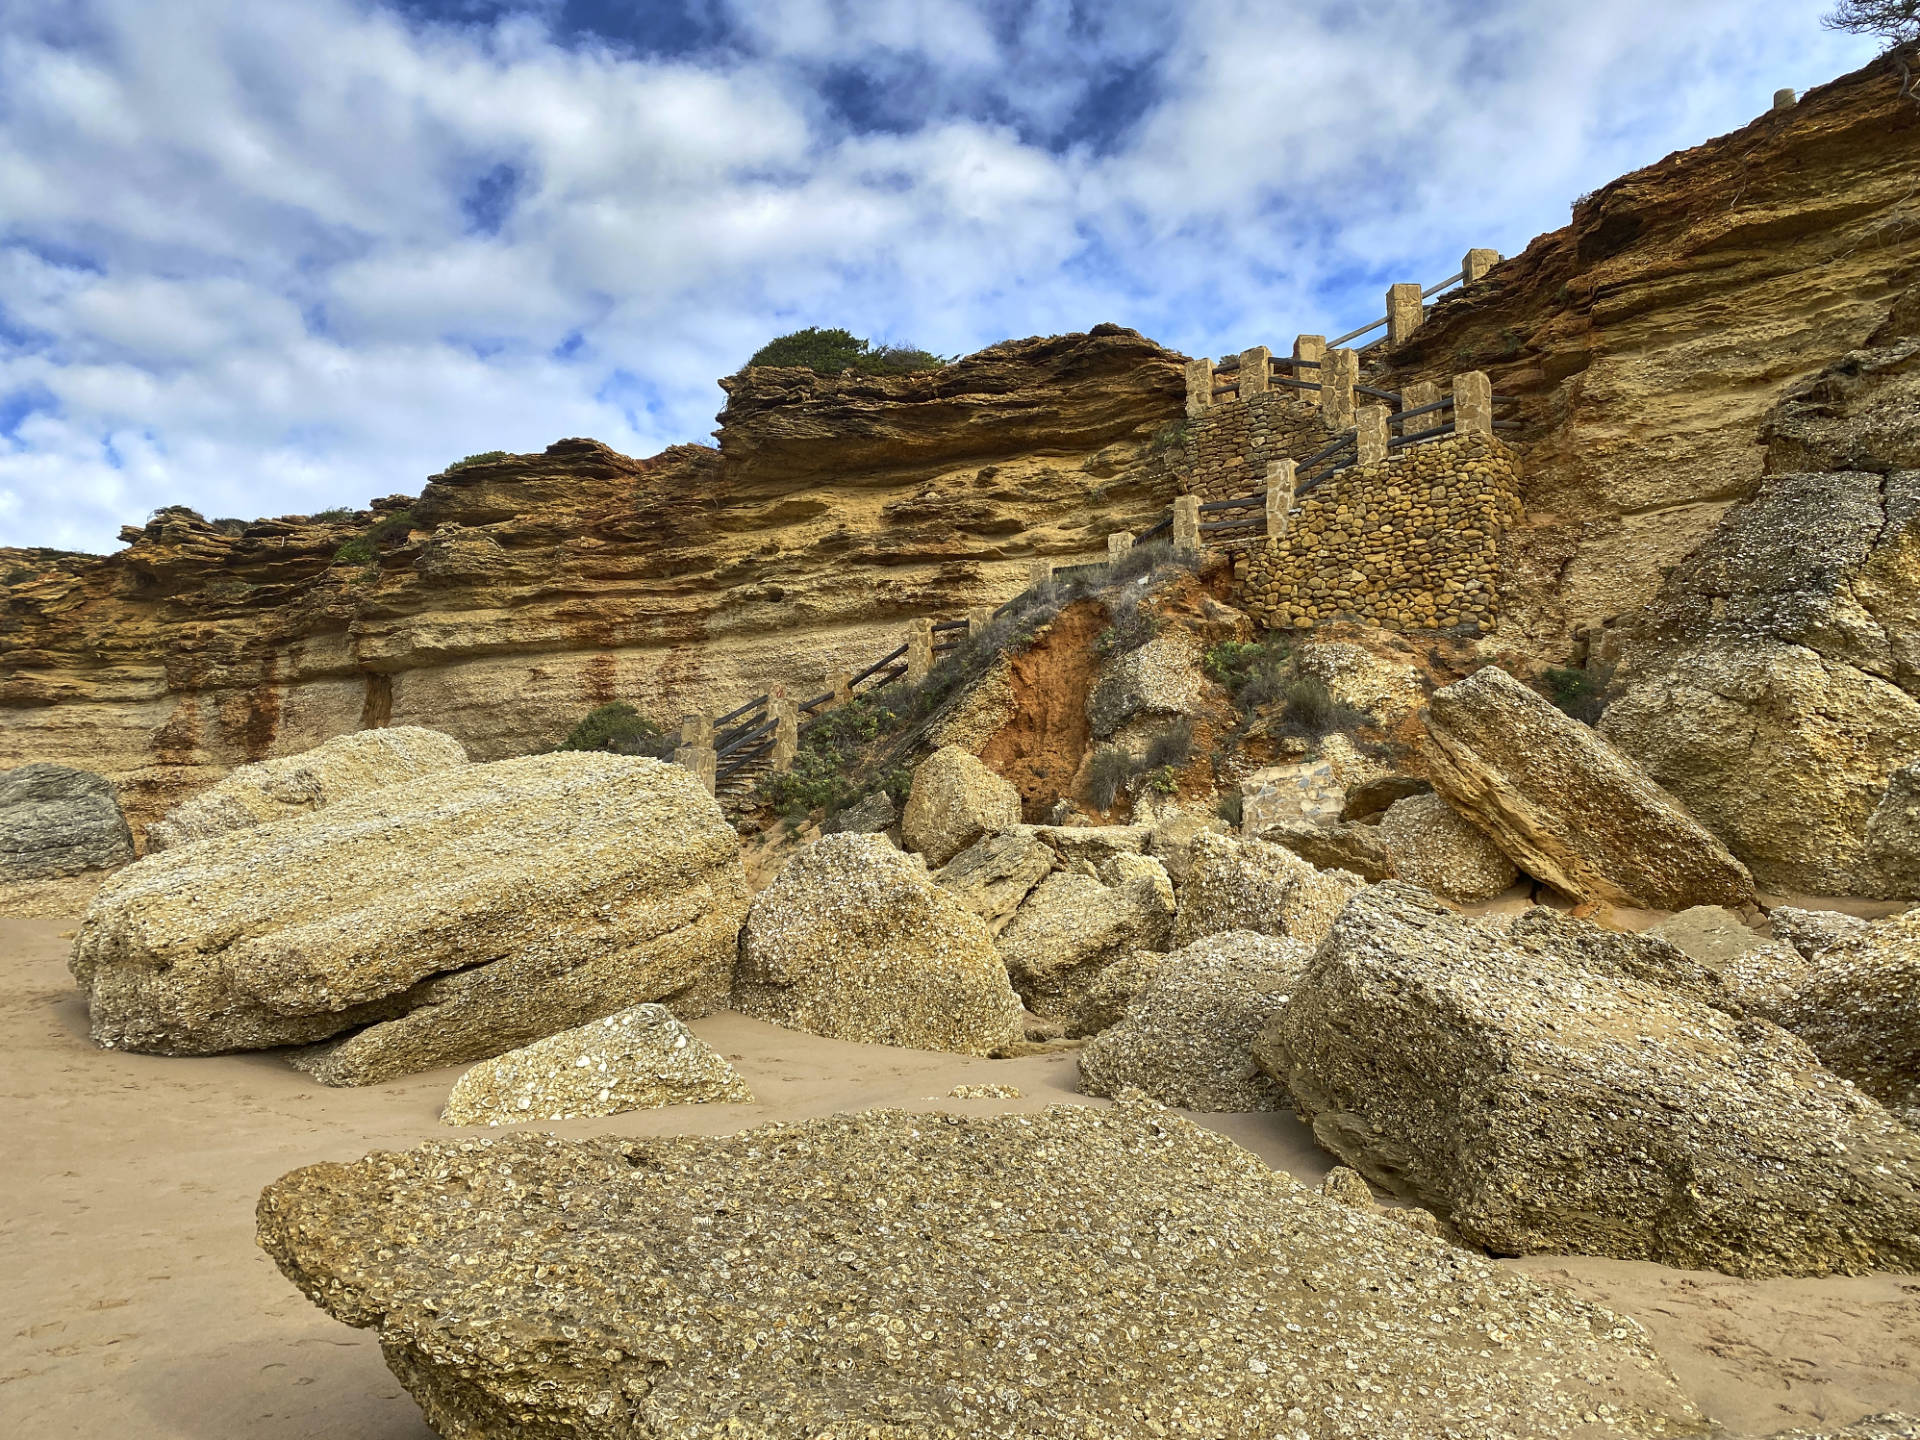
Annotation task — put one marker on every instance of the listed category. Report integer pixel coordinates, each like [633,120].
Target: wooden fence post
[1199,387]
[1477,263]
[1370,434]
[1314,348]
[919,650]
[1339,373]
[1472,404]
[1405,310]
[1281,478]
[700,759]
[1256,365]
[1186,527]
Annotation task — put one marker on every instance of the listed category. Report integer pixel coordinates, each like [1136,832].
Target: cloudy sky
[263,258]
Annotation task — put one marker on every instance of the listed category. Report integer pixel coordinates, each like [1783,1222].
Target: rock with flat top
[992,876]
[1074,926]
[955,800]
[1857,1003]
[56,821]
[872,815]
[1357,849]
[1251,885]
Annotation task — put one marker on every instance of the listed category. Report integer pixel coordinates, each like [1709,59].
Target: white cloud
[236,270]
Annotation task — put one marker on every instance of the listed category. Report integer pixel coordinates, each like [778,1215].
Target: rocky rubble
[1540,1106]
[297,784]
[992,876]
[1565,806]
[1074,926]
[854,940]
[56,821]
[637,1059]
[446,919]
[1251,885]
[954,801]
[893,1274]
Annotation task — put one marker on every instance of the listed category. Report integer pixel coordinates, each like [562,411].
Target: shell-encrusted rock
[1073,926]
[1251,885]
[55,821]
[955,800]
[1431,845]
[994,874]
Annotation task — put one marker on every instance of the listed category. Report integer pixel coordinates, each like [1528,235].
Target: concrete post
[841,683]
[1282,475]
[1186,527]
[919,650]
[1405,310]
[1785,99]
[786,733]
[696,730]
[1199,387]
[1039,572]
[1477,263]
[978,619]
[1256,365]
[701,760]
[1314,348]
[1418,396]
[1370,432]
[1339,373]
[1118,544]
[1472,404]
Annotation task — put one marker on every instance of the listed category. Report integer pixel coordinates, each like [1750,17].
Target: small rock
[984,1092]
[992,876]
[1433,847]
[871,815]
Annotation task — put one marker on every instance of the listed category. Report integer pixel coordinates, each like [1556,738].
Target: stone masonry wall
[1409,543]
[1226,450]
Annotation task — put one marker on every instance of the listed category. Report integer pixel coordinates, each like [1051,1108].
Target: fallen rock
[1387,690]
[954,801]
[1251,885]
[1171,842]
[442,920]
[1711,934]
[273,790]
[872,815]
[1892,858]
[1567,807]
[984,1092]
[1187,1038]
[1372,798]
[1857,1003]
[1538,1106]
[55,821]
[992,876]
[1112,991]
[1160,679]
[639,1059]
[1357,849]
[1811,931]
[1434,847]
[854,940]
[1619,955]
[1095,843]
[888,1274]
[1074,926]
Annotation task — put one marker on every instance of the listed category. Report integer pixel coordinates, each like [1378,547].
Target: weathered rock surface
[887,1274]
[1370,799]
[55,820]
[1892,860]
[1159,681]
[1567,807]
[1187,1037]
[447,919]
[1856,1001]
[855,941]
[1431,845]
[1774,684]
[992,876]
[1109,993]
[870,816]
[1711,934]
[635,1059]
[1357,849]
[1074,926]
[1538,1106]
[1171,841]
[298,784]
[1251,885]
[954,801]
[1888,1426]
[1387,690]
[1650,959]
[1097,843]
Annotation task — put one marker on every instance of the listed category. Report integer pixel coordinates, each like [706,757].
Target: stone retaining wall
[1226,450]
[1409,543]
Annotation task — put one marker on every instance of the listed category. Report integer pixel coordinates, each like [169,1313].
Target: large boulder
[1567,807]
[1251,885]
[1187,1037]
[1856,1001]
[1358,849]
[854,940]
[1432,846]
[1067,1273]
[55,820]
[638,1059]
[954,801]
[992,876]
[297,784]
[1773,685]
[1138,690]
[1539,1106]
[1073,926]
[444,920]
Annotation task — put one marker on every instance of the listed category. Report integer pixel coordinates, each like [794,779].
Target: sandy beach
[137,1303]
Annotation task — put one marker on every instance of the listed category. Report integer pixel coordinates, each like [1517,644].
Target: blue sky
[266,258]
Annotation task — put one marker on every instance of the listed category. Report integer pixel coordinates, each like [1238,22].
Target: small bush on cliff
[620,728]
[485,457]
[830,352]
[1578,692]
[357,551]
[1107,775]
[1140,560]
[334,515]
[1240,664]
[1173,746]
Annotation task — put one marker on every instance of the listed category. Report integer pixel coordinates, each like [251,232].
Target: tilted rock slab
[1539,1106]
[638,1059]
[955,800]
[1566,806]
[56,820]
[1187,1037]
[1252,885]
[853,940]
[1357,849]
[298,784]
[992,876]
[444,920]
[1068,1273]
[1434,847]
[1074,926]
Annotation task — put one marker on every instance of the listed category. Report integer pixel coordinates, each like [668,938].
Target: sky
[267,258]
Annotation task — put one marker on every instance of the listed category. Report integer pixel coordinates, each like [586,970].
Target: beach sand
[135,1303]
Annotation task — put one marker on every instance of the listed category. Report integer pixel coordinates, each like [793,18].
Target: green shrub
[1579,692]
[1168,436]
[1312,711]
[357,551]
[1107,775]
[1173,746]
[334,515]
[229,525]
[391,527]
[620,728]
[1238,663]
[485,457]
[1132,627]
[831,352]
[1163,781]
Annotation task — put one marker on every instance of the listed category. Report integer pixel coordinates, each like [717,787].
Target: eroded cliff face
[511,597]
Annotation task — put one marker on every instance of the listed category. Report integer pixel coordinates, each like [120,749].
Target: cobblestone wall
[1226,450]
[1409,543]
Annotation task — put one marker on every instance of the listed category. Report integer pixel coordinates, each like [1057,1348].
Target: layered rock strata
[56,821]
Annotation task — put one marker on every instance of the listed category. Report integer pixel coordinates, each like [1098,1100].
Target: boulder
[1159,680]
[1567,807]
[954,801]
[1434,847]
[992,876]
[1619,955]
[855,941]
[55,820]
[1187,1037]
[637,1059]
[1892,860]
[1098,843]
[1539,1106]
[1073,926]
[894,1274]
[1357,849]
[1857,1003]
[1171,841]
[1370,799]
[873,815]
[1811,931]
[1251,885]
[1386,689]
[443,920]
[298,784]
[1711,934]
[1109,993]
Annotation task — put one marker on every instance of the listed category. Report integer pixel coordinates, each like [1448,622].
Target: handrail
[1393,395]
[879,664]
[754,734]
[949,625]
[1244,502]
[1356,334]
[1438,286]
[753,704]
[1405,415]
